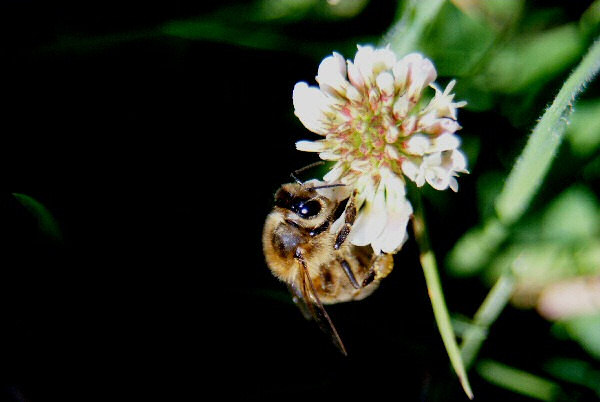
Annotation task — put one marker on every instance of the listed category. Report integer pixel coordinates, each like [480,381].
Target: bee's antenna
[328,186]
[302,169]
[295,178]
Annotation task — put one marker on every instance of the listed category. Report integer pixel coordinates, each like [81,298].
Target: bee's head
[302,201]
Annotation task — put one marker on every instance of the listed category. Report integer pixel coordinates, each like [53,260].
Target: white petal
[394,235]
[329,156]
[363,60]
[385,82]
[335,173]
[371,221]
[311,146]
[459,162]
[437,177]
[337,194]
[355,76]
[400,71]
[309,104]
[453,184]
[418,144]
[331,75]
[353,94]
[383,59]
[410,169]
[446,142]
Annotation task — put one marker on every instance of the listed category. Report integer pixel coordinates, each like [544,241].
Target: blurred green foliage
[47,224]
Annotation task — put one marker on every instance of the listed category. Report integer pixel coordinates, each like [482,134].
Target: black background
[159,157]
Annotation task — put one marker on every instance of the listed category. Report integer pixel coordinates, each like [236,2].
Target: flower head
[380,128]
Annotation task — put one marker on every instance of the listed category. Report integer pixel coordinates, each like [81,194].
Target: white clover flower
[379,128]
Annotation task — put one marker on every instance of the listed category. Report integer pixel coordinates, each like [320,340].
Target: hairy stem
[527,174]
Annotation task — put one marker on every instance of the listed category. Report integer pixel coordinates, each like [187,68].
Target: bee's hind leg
[381,266]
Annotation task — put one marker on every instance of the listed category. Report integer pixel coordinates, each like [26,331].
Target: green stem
[485,316]
[436,296]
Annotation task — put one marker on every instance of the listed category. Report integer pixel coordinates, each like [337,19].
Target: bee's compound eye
[307,209]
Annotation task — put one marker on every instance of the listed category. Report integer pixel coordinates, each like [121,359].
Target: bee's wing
[308,302]
[298,300]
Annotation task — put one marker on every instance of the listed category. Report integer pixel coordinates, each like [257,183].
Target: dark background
[159,157]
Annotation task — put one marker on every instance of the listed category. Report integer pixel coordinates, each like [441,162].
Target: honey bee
[305,242]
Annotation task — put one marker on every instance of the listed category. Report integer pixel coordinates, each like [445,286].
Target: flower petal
[309,106]
[331,75]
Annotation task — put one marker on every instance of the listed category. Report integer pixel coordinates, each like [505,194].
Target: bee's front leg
[349,218]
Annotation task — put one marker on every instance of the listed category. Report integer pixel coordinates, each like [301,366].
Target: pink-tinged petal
[420,74]
[435,125]
[421,69]
[570,298]
[392,152]
[401,107]
[409,125]
[391,134]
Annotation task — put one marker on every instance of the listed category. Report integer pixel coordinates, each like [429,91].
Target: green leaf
[572,217]
[583,133]
[585,330]
[574,371]
[455,36]
[518,381]
[416,16]
[47,224]
[534,58]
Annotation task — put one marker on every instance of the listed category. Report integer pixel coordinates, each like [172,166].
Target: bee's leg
[349,218]
[381,267]
[349,273]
